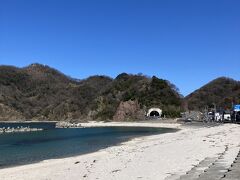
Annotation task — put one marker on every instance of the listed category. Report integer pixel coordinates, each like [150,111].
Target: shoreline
[162,155]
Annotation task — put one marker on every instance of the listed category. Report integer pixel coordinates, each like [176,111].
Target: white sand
[153,157]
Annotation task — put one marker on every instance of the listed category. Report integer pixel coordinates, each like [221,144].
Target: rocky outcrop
[129,111]
[64,124]
[9,114]
[18,129]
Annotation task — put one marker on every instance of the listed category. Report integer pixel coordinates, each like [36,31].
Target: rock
[8,113]
[129,110]
[21,129]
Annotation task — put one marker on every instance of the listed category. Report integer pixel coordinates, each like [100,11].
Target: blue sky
[188,42]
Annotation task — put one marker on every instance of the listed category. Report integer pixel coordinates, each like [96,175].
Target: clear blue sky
[188,42]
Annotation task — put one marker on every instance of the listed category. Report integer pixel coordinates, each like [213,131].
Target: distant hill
[40,92]
[222,91]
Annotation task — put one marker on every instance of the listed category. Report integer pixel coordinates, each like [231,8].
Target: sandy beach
[164,156]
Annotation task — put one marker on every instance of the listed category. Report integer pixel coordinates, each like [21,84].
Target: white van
[227,117]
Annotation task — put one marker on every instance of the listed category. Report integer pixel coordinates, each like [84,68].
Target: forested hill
[39,92]
[222,92]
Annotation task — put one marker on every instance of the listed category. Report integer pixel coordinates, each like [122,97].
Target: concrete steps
[214,169]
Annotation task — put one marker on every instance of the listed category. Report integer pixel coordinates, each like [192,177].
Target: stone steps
[214,169]
[234,171]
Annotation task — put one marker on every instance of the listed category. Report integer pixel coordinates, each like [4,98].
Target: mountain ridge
[39,92]
[222,91]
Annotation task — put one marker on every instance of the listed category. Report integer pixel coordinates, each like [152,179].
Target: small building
[154,112]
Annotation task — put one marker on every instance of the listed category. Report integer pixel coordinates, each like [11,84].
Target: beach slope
[156,157]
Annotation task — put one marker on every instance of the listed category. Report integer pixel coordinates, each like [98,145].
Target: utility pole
[205,118]
[214,107]
[214,111]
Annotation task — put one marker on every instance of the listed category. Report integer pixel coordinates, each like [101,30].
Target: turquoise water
[28,147]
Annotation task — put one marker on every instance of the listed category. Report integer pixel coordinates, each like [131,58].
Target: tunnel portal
[154,112]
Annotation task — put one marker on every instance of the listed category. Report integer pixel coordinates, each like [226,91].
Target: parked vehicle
[238,117]
[227,117]
[211,116]
[218,117]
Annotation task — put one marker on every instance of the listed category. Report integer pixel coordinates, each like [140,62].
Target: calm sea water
[28,147]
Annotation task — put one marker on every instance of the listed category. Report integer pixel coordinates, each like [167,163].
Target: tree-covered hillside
[222,92]
[43,93]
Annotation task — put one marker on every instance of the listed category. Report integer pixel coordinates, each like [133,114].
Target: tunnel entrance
[154,114]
